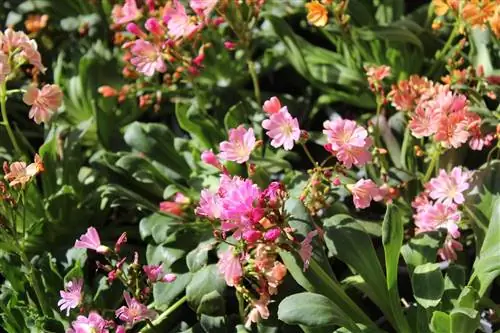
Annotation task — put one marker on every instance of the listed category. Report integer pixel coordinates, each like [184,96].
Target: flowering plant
[250,166]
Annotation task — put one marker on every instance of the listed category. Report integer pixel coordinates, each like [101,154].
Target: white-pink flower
[203,6]
[94,323]
[348,141]
[90,240]
[306,248]
[282,129]
[230,266]
[240,145]
[147,58]
[126,13]
[272,105]
[134,311]
[363,192]
[179,24]
[71,297]
[449,188]
[4,67]
[431,217]
[44,103]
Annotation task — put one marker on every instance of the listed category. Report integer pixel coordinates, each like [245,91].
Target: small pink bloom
[20,174]
[272,235]
[251,235]
[229,265]
[134,312]
[210,158]
[363,192]
[154,27]
[282,129]
[436,216]
[240,145]
[121,240]
[4,67]
[259,311]
[348,141]
[448,251]
[147,58]
[449,188]
[43,102]
[120,329]
[91,241]
[94,323]
[71,297]
[171,208]
[179,24]
[229,45]
[181,199]
[209,206]
[424,122]
[376,74]
[134,29]
[126,13]
[272,105]
[306,248]
[203,6]
[155,273]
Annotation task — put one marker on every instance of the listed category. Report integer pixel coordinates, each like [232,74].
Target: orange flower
[477,12]
[35,23]
[441,7]
[317,14]
[495,22]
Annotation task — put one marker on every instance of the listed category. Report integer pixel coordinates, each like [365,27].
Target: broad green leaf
[202,127]
[428,285]
[164,294]
[454,283]
[440,322]
[464,320]
[212,304]
[204,281]
[236,115]
[421,249]
[313,310]
[212,324]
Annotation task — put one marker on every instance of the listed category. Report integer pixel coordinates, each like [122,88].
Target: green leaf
[164,294]
[236,115]
[212,324]
[204,281]
[202,127]
[421,249]
[464,320]
[440,322]
[428,285]
[198,257]
[312,310]
[212,304]
[392,238]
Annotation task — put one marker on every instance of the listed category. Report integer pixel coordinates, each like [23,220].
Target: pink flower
[203,6]
[134,312]
[147,58]
[272,234]
[210,158]
[449,188]
[126,13]
[4,67]
[71,297]
[229,45]
[153,26]
[171,208]
[240,145]
[363,192]
[251,236]
[376,74]
[453,130]
[179,24]
[348,141]
[30,53]
[448,251]
[209,206]
[272,105]
[424,122]
[20,174]
[91,241]
[229,265]
[259,310]
[181,199]
[12,40]
[306,248]
[43,102]
[155,273]
[282,128]
[94,323]
[436,216]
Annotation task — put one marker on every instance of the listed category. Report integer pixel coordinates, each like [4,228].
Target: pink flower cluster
[438,208]
[281,127]
[348,142]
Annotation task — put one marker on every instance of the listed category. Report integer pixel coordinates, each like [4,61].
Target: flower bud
[153,26]
[272,235]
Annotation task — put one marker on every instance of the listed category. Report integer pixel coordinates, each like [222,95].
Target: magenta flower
[209,206]
[449,188]
[229,265]
[179,24]
[126,13]
[43,102]
[71,297]
[306,248]
[4,67]
[155,273]
[272,105]
[348,141]
[90,240]
[210,158]
[363,192]
[282,129]
[240,145]
[134,312]
[147,58]
[436,216]
[94,323]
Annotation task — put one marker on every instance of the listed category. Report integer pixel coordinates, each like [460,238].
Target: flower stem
[309,154]
[33,279]
[164,315]
[255,81]
[434,160]
[5,119]
[442,53]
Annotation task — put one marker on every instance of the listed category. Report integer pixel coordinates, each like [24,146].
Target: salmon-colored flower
[126,13]
[147,58]
[317,14]
[363,192]
[35,23]
[259,310]
[171,208]
[20,174]
[441,7]
[179,24]
[376,74]
[12,40]
[272,105]
[43,102]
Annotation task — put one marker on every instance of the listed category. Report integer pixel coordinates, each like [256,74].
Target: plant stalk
[164,315]
[5,119]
